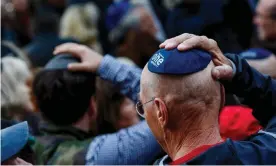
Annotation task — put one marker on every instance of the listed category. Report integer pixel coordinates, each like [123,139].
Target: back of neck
[183,143]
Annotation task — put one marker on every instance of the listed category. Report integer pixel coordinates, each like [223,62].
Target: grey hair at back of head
[14,75]
[130,20]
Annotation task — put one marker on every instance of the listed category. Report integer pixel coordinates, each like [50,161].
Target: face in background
[115,111]
[266,25]
[127,116]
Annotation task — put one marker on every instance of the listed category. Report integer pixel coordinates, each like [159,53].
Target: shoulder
[70,152]
[60,152]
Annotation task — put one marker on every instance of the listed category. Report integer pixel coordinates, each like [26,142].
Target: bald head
[185,95]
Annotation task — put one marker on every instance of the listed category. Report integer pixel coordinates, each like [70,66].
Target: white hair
[129,20]
[14,75]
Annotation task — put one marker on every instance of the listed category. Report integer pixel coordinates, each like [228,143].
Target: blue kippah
[13,139]
[178,62]
[116,12]
[60,62]
[256,53]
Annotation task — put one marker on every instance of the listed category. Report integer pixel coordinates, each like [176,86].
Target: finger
[223,72]
[174,42]
[71,48]
[78,67]
[162,45]
[171,45]
[190,43]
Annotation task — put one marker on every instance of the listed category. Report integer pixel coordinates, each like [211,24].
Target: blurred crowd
[80,109]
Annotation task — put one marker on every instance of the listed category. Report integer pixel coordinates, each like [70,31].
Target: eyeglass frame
[139,104]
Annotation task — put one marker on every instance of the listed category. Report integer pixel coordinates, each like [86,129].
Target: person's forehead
[265,5]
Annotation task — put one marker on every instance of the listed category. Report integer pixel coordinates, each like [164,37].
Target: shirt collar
[197,151]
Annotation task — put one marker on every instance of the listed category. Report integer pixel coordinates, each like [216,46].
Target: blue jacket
[260,94]
[134,145]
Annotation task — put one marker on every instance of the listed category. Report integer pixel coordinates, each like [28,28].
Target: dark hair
[62,96]
[273,12]
[46,22]
[109,100]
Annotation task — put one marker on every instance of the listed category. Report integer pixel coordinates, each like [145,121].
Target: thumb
[78,67]
[224,72]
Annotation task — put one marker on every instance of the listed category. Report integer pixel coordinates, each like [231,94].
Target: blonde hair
[80,22]
[14,76]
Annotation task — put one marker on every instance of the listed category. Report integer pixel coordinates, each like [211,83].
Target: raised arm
[125,76]
[258,90]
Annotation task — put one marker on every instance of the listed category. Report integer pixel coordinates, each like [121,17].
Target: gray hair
[130,20]
[14,75]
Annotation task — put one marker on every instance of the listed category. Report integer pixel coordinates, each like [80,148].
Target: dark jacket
[40,50]
[61,145]
[259,92]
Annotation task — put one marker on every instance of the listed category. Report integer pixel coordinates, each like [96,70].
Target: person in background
[10,49]
[16,101]
[79,22]
[56,7]
[16,18]
[128,25]
[13,140]
[14,91]
[26,153]
[154,9]
[45,40]
[262,60]
[103,33]
[265,21]
[67,102]
[223,70]
[226,21]
[118,113]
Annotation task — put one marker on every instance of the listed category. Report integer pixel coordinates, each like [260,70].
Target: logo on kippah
[157,59]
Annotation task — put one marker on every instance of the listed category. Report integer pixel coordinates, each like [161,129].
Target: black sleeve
[258,90]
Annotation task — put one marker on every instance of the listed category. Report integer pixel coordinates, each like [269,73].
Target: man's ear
[162,112]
